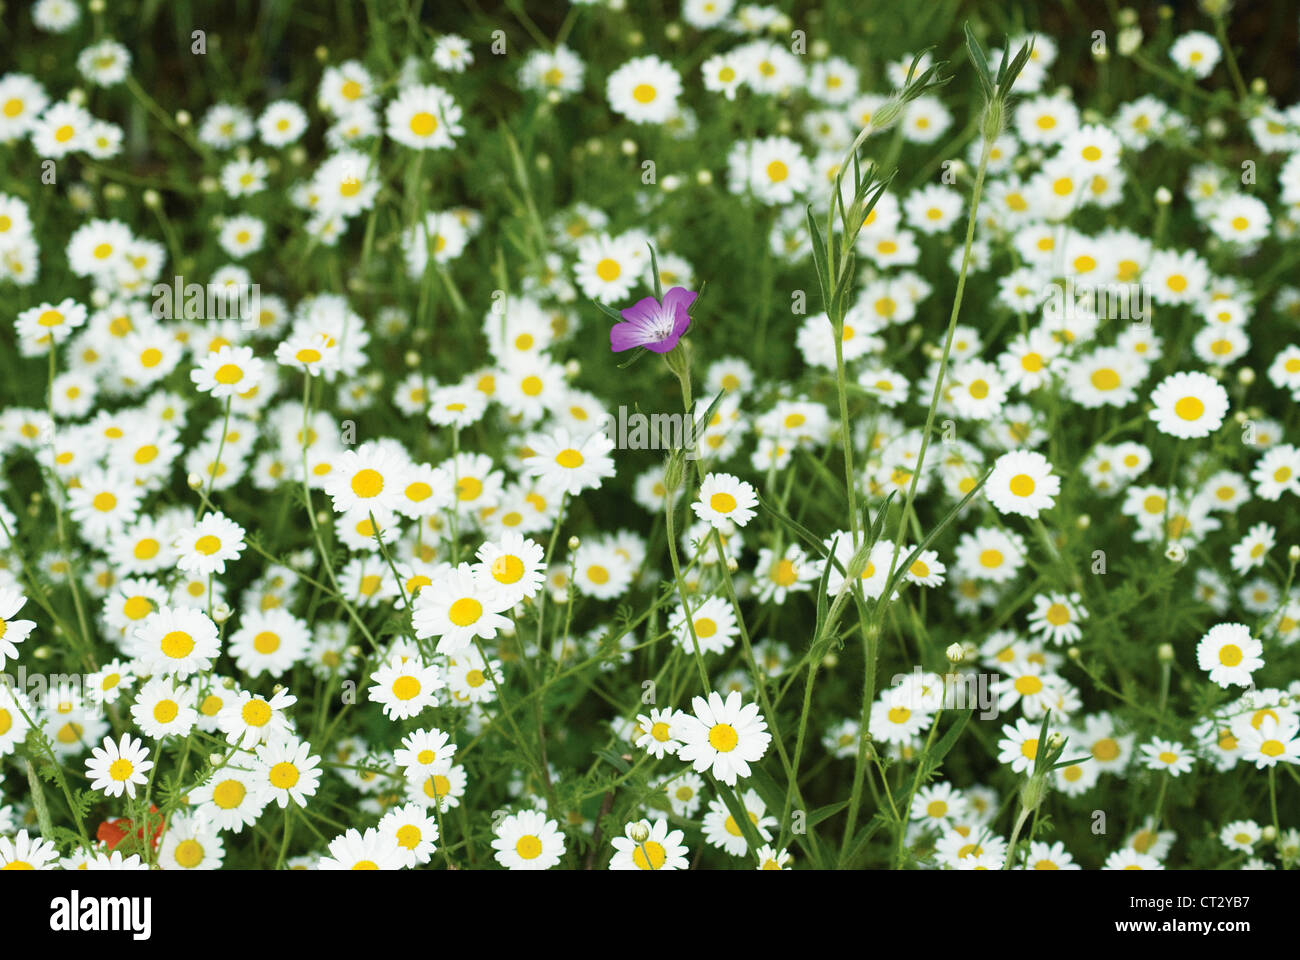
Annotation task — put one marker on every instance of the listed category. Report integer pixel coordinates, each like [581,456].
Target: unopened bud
[1163,196]
[638,832]
[194,481]
[886,115]
[1032,793]
[574,543]
[1165,653]
[955,653]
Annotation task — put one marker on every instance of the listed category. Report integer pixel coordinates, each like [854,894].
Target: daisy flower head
[724,499]
[312,353]
[23,852]
[1167,755]
[413,830]
[1275,740]
[723,736]
[1019,746]
[644,90]
[1188,405]
[248,719]
[12,632]
[1195,52]
[176,641]
[371,850]
[657,737]
[405,687]
[424,118]
[528,841]
[227,372]
[13,723]
[513,566]
[458,608]
[365,480]
[204,548]
[606,266]
[118,767]
[286,771]
[721,829]
[163,709]
[570,463]
[1229,654]
[1022,483]
[649,846]
[1057,616]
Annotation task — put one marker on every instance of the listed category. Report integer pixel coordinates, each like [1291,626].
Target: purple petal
[644,310]
[664,345]
[625,336]
[679,299]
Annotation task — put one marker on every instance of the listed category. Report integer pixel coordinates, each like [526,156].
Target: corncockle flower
[654,325]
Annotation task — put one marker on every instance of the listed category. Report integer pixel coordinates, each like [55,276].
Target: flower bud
[1033,792]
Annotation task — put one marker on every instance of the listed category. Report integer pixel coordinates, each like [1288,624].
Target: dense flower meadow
[575,436]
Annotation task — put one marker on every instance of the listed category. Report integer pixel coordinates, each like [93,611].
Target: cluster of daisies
[272,572]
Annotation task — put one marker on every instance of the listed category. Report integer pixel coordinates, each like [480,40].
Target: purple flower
[654,325]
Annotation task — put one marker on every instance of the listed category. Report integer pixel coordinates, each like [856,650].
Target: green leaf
[654,270]
[637,354]
[932,760]
[608,311]
[980,62]
[822,606]
[819,254]
[1007,74]
[702,423]
[822,813]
